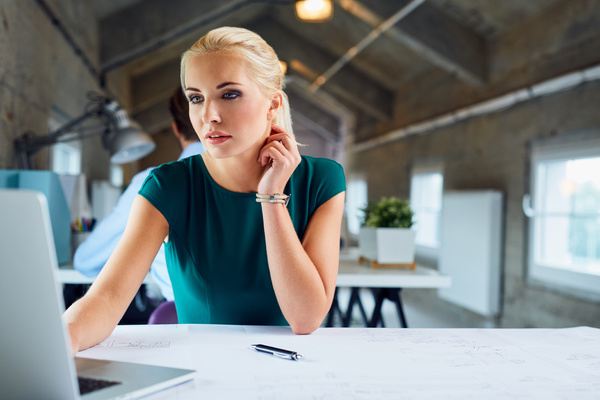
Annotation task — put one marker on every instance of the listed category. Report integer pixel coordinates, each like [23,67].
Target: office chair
[165,313]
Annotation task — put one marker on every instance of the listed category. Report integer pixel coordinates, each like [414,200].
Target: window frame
[426,252]
[73,153]
[572,282]
[350,202]
[72,148]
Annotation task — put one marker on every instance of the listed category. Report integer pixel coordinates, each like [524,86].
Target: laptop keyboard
[88,385]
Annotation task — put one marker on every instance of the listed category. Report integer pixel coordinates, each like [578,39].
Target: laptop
[34,346]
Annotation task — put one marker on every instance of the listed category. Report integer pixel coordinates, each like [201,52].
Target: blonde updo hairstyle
[261,60]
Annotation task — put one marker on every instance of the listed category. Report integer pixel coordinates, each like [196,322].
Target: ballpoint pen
[277,352]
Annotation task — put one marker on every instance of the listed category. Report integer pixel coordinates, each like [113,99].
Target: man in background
[93,253]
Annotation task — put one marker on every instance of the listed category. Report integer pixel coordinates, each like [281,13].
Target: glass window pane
[356,200]
[567,228]
[426,202]
[66,159]
[552,184]
[116,175]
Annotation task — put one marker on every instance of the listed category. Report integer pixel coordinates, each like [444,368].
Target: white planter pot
[387,245]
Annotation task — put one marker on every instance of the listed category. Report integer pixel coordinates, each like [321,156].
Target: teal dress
[216,253]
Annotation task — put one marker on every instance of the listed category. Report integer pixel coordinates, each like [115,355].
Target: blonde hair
[263,64]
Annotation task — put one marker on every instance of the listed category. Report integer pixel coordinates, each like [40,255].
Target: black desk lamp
[121,136]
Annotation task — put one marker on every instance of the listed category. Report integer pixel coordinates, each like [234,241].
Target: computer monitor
[48,183]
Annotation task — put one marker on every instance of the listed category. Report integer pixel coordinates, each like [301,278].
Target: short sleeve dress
[216,252]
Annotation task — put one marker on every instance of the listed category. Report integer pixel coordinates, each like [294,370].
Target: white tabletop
[353,274]
[68,275]
[367,363]
[350,274]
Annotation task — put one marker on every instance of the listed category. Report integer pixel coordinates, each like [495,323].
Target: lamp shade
[129,144]
[126,141]
[314,10]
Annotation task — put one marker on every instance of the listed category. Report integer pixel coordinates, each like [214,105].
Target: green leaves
[389,212]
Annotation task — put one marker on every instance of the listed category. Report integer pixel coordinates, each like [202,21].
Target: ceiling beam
[366,41]
[345,119]
[319,117]
[155,85]
[431,34]
[156,118]
[309,123]
[348,85]
[157,23]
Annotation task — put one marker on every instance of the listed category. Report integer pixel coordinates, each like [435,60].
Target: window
[426,187]
[565,222]
[66,159]
[356,200]
[116,175]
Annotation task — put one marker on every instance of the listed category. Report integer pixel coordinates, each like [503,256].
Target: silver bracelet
[273,198]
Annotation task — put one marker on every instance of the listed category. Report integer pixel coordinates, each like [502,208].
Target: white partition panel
[470,251]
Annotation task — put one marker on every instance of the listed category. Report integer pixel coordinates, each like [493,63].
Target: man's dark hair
[179,106]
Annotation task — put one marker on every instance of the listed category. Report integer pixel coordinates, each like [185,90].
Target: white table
[363,363]
[69,275]
[385,283]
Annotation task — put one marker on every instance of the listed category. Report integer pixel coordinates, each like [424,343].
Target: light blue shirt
[92,254]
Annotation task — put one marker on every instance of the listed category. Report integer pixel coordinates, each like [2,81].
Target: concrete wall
[42,79]
[492,152]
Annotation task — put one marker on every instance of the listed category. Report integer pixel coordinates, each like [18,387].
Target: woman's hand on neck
[280,156]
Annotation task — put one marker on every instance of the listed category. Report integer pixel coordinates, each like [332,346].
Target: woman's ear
[276,104]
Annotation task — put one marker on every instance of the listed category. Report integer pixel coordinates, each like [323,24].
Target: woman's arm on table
[92,318]
[304,274]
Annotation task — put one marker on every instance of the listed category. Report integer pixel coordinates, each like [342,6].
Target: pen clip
[287,356]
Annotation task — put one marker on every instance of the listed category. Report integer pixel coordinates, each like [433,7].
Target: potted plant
[385,239]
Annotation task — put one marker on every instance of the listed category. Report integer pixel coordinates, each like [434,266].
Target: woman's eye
[195,99]
[231,95]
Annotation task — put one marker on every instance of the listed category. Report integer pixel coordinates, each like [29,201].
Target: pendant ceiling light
[314,10]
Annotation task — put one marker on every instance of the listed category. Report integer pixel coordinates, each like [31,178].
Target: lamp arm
[28,144]
[34,143]
[94,112]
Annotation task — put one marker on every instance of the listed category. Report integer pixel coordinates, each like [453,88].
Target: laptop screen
[34,349]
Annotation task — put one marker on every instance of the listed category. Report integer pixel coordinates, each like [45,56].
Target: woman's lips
[216,137]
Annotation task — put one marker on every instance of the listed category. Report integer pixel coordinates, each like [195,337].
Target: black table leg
[354,299]
[394,295]
[376,317]
[363,314]
[333,310]
[380,295]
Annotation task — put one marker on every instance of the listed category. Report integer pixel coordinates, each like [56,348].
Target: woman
[237,251]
